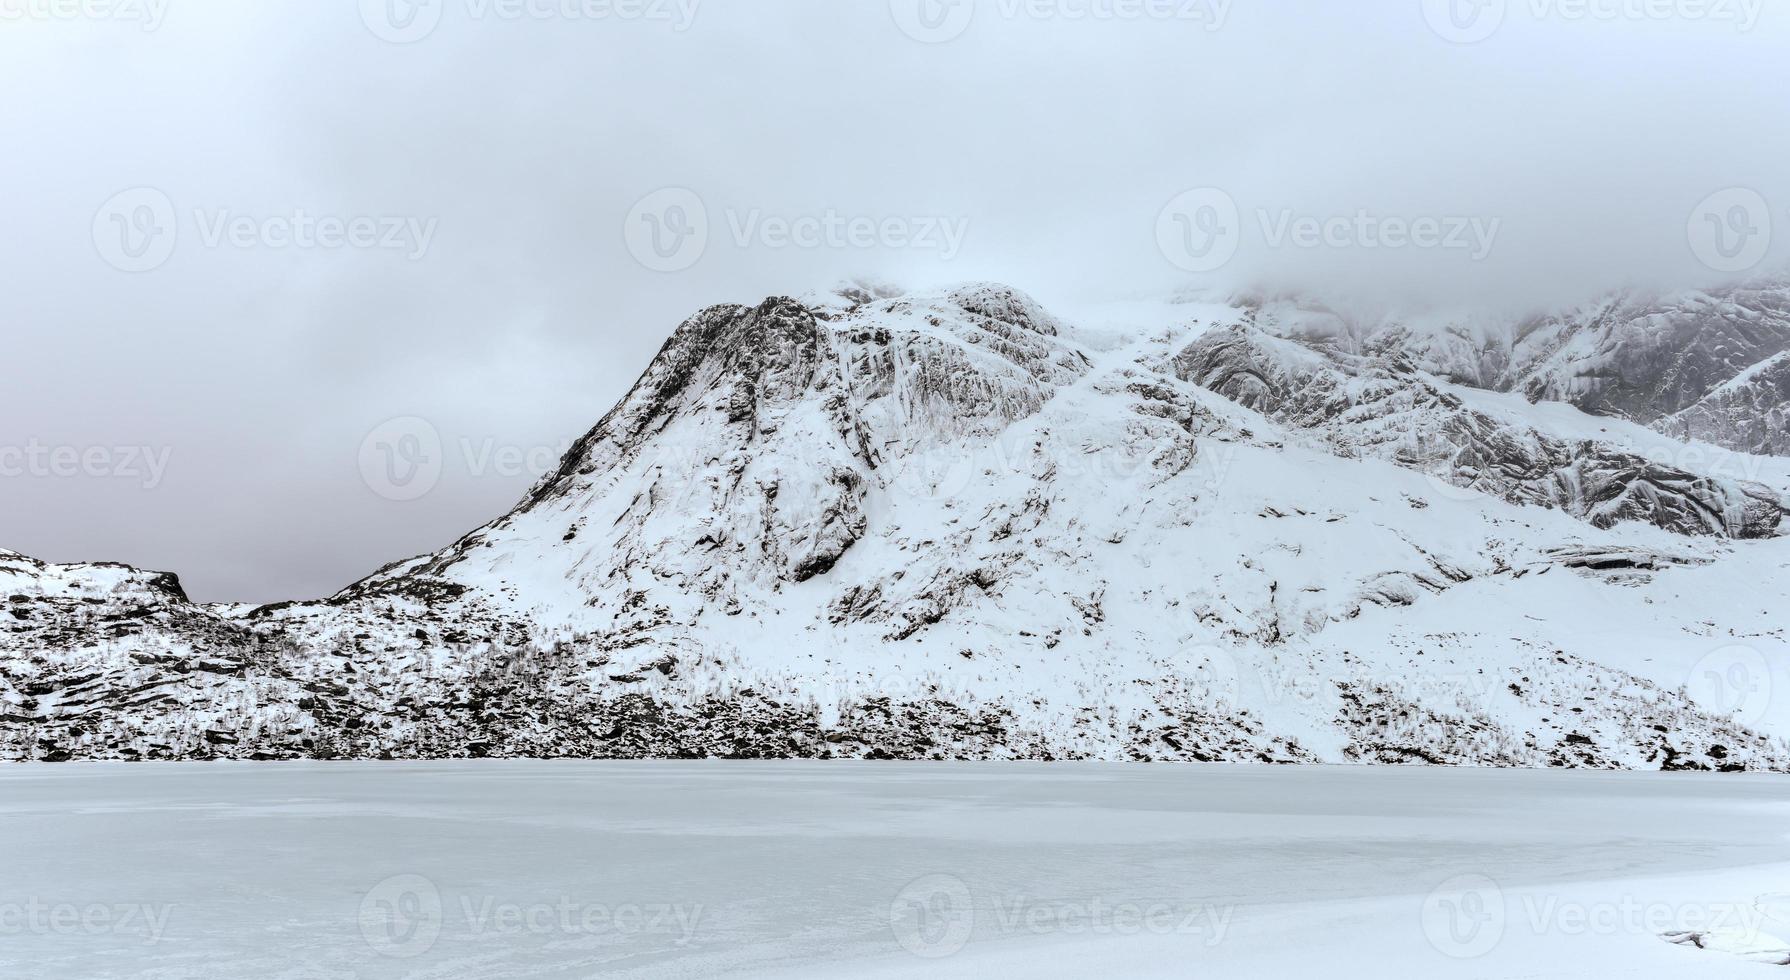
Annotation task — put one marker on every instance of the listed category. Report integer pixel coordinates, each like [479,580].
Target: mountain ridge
[1652,357]
[954,524]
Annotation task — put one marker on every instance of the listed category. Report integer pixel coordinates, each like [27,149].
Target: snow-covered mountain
[1703,364]
[1750,412]
[954,524]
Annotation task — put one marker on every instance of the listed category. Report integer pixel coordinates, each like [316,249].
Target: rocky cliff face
[1702,364]
[1749,413]
[1382,406]
[1645,359]
[954,525]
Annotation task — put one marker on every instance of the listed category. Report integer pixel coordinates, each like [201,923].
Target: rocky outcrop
[1381,406]
[1697,364]
[1645,358]
[1749,414]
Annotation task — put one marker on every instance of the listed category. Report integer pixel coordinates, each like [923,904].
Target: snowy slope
[953,524]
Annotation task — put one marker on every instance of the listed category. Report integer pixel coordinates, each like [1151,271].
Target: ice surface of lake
[460,871]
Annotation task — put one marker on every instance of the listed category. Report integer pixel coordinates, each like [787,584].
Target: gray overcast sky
[336,213]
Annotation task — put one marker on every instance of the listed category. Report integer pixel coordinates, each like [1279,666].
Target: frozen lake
[572,869]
